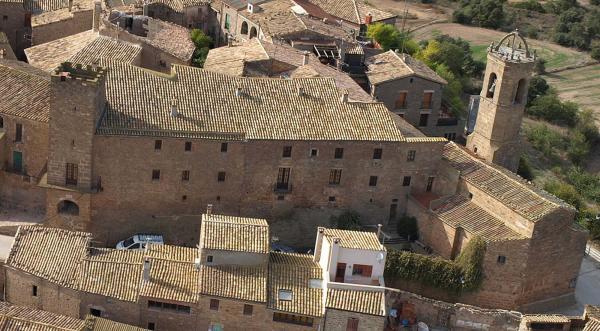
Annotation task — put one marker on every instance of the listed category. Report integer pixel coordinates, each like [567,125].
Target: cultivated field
[555,55]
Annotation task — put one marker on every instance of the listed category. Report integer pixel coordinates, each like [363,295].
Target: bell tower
[502,104]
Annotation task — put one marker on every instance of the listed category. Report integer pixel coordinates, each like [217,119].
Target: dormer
[252,8]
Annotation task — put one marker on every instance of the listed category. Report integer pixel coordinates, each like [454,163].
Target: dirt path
[418,13]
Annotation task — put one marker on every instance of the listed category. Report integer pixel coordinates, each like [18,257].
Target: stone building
[6,51]
[409,88]
[27,318]
[520,224]
[192,14]
[502,102]
[15,24]
[231,280]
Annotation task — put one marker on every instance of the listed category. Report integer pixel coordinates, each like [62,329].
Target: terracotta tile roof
[592,325]
[234,234]
[355,239]
[459,211]
[93,323]
[296,278]
[25,318]
[317,114]
[364,302]
[170,252]
[49,253]
[353,11]
[391,65]
[546,318]
[232,60]
[106,47]
[180,5]
[50,11]
[6,51]
[503,185]
[248,283]
[171,280]
[24,91]
[592,311]
[171,38]
[275,18]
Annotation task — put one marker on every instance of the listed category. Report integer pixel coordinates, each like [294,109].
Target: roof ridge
[35,322]
[404,62]
[356,11]
[166,259]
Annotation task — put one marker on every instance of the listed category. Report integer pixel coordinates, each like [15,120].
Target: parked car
[139,241]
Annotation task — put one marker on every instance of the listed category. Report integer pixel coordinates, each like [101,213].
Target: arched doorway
[253,32]
[244,29]
[68,207]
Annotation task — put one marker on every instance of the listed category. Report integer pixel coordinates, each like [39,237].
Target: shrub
[586,124]
[532,5]
[407,227]
[578,148]
[203,44]
[470,262]
[537,88]
[587,184]
[539,67]
[524,169]
[484,13]
[566,192]
[389,38]
[544,140]
[550,108]
[348,220]
[595,52]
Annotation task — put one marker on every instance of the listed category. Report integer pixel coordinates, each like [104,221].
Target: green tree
[578,148]
[565,191]
[203,44]
[537,88]
[524,169]
[348,220]
[389,38]
[544,140]
[470,262]
[484,13]
[407,227]
[550,108]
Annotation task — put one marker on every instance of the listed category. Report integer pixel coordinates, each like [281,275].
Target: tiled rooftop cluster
[24,91]
[391,65]
[354,11]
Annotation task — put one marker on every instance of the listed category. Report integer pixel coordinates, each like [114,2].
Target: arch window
[244,29]
[521,91]
[253,32]
[491,88]
[68,207]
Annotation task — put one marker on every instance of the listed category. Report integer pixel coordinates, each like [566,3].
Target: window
[34,290]
[68,207]
[244,29]
[71,174]
[285,295]
[287,151]
[283,179]
[491,89]
[427,98]
[352,324]
[162,63]
[221,176]
[248,309]
[253,32]
[95,312]
[331,199]
[339,153]
[423,119]
[406,181]
[335,176]
[224,147]
[450,136]
[292,319]
[209,258]
[18,132]
[411,155]
[227,21]
[17,161]
[573,283]
[377,153]
[151,326]
[430,183]
[169,306]
[188,146]
[155,174]
[157,145]
[519,95]
[185,175]
[501,259]
[5,17]
[373,181]
[1,122]
[314,152]
[214,304]
[183,197]
[401,101]
[362,270]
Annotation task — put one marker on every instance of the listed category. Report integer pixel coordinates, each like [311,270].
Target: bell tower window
[491,89]
[520,94]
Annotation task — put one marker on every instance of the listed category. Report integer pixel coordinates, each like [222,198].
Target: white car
[139,241]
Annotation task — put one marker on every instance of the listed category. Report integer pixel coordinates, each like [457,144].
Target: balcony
[282,188]
[448,121]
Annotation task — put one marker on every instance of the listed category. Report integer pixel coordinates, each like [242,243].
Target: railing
[447,121]
[282,187]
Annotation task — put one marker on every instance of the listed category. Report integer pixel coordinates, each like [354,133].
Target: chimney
[209,208]
[305,57]
[70,5]
[379,226]
[97,11]
[345,96]
[174,112]
[368,19]
[319,244]
[238,91]
[146,270]
[300,91]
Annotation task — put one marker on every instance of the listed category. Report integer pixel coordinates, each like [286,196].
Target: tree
[203,44]
[484,13]
[524,169]
[389,38]
[348,220]
[538,87]
[550,108]
[565,192]
[578,148]
[407,227]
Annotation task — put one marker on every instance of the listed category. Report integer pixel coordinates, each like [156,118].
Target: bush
[389,38]
[532,5]
[524,169]
[539,67]
[484,13]
[407,227]
[550,108]
[544,140]
[466,273]
[587,184]
[348,220]
[537,88]
[203,44]
[564,191]
[595,52]
[578,148]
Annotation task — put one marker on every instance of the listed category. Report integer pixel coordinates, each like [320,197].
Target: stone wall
[14,26]
[78,22]
[337,320]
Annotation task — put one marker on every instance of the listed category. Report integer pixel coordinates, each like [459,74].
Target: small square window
[34,291]
[281,197]
[155,174]
[185,175]
[373,181]
[183,197]
[406,181]
[335,176]
[314,152]
[221,176]
[287,151]
[285,295]
[224,147]
[377,153]
[151,326]
[188,146]
[248,309]
[5,17]
[339,153]
[214,304]
[209,258]
[411,156]
[501,259]
[96,312]
[331,199]
[157,145]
